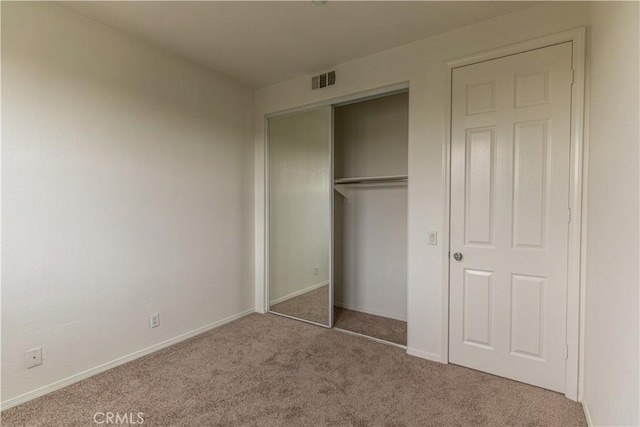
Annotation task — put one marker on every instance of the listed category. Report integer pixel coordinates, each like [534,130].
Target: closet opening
[337,178]
[370,158]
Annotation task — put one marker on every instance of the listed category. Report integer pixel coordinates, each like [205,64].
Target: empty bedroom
[319,212]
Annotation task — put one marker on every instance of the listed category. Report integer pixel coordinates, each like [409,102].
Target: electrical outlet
[34,357]
[154,320]
[317,271]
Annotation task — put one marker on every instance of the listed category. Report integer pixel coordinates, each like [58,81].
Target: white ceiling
[265,42]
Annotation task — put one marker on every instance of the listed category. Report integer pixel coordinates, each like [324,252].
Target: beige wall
[611,343]
[127,183]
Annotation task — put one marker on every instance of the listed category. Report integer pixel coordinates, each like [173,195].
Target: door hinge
[569,215]
[572,76]
[449,254]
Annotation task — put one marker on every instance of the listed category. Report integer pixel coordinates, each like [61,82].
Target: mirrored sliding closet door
[299,215]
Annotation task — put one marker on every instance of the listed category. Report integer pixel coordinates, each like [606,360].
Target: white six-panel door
[509,215]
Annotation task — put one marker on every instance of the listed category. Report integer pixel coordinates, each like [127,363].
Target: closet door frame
[578,179]
[331,102]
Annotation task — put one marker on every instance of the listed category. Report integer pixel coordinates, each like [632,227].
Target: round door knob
[457,256]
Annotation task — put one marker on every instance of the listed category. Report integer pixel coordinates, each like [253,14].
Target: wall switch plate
[433,237]
[34,357]
[154,320]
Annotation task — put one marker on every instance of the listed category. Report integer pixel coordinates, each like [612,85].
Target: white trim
[583,231]
[566,36]
[370,311]
[424,355]
[265,211]
[379,340]
[117,362]
[577,227]
[343,100]
[331,216]
[577,244]
[446,218]
[298,293]
[587,414]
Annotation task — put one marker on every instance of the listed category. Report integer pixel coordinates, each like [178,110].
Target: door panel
[527,315]
[530,182]
[480,172]
[509,204]
[477,307]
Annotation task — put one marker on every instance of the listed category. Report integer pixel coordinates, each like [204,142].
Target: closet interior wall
[370,223]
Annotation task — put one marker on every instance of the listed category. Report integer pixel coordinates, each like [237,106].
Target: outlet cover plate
[34,357]
[154,320]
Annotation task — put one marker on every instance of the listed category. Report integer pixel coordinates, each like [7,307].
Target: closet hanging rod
[372,179]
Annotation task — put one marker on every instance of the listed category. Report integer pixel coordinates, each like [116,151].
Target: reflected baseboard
[298,293]
[366,310]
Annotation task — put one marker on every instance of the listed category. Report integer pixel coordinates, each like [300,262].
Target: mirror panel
[300,191]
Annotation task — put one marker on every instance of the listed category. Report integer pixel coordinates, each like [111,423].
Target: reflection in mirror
[300,215]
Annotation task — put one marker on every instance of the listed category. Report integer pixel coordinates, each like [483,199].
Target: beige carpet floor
[383,328]
[312,305]
[266,370]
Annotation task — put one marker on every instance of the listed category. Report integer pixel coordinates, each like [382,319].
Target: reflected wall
[299,169]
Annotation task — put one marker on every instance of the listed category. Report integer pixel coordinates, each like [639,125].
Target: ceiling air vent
[323,80]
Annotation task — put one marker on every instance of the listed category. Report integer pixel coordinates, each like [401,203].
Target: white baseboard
[370,311]
[298,293]
[9,403]
[587,415]
[424,355]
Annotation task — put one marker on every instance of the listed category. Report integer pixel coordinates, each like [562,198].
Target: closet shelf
[372,179]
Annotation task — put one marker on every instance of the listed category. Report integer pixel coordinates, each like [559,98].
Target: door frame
[577,195]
